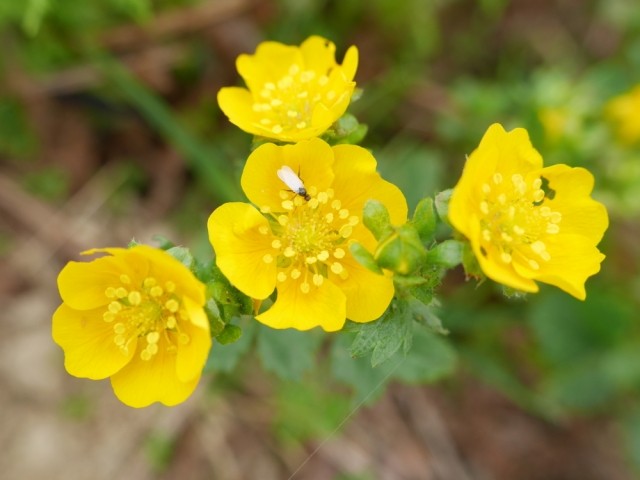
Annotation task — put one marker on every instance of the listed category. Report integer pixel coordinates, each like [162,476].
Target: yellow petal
[357,181]
[87,341]
[141,383]
[193,355]
[270,63]
[350,63]
[240,248]
[581,215]
[323,306]
[573,260]
[318,54]
[312,160]
[237,104]
[368,294]
[82,285]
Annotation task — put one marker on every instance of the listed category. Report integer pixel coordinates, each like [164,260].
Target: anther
[277,129]
[172,305]
[337,268]
[153,337]
[267,258]
[134,298]
[497,178]
[110,292]
[283,220]
[339,253]
[346,231]
[170,286]
[295,273]
[171,322]
[505,257]
[121,292]
[124,278]
[289,252]
[336,204]
[281,276]
[323,256]
[484,207]
[276,244]
[318,279]
[311,260]
[115,307]
[156,291]
[305,287]
[344,213]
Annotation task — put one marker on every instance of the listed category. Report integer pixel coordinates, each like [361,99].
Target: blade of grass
[206,160]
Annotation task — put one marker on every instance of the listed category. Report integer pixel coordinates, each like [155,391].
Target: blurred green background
[109,129]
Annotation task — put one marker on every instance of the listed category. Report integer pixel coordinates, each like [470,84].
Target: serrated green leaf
[287,353]
[447,254]
[425,314]
[367,383]
[183,255]
[431,358]
[384,337]
[424,220]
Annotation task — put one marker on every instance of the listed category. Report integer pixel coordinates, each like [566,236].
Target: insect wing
[290,179]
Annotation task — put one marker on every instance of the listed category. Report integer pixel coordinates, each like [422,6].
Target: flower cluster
[323,239]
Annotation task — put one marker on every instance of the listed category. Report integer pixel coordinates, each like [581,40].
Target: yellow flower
[294,93]
[298,241]
[527,222]
[622,111]
[135,315]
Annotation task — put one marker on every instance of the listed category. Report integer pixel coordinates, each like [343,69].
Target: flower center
[514,220]
[310,237]
[151,313]
[288,103]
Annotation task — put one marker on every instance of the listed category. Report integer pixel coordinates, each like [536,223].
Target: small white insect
[293,181]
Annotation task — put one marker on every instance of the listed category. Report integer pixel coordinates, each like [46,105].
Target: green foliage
[307,410]
[159,449]
[287,353]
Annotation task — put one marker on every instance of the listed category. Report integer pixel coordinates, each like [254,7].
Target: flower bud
[402,251]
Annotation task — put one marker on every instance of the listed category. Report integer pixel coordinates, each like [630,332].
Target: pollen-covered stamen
[148,312]
[515,221]
[288,104]
[310,242]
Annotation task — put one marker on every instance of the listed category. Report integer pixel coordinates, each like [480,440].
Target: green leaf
[425,315]
[447,254]
[430,359]
[183,255]
[367,382]
[424,220]
[384,337]
[287,353]
[224,358]
[364,257]
[308,410]
[375,217]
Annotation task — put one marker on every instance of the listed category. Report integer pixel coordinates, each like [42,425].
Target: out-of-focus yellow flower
[526,222]
[622,112]
[310,198]
[135,315]
[294,93]
[555,122]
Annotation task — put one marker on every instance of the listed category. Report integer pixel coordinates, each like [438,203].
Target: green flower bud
[447,254]
[402,251]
